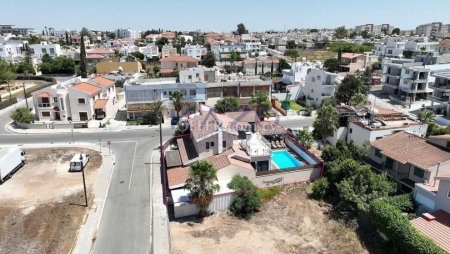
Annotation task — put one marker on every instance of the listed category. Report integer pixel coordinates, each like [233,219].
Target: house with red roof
[75,100]
[172,63]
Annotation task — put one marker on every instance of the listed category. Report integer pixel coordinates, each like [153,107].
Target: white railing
[261,149]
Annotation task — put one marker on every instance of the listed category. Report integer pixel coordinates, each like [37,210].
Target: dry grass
[289,223]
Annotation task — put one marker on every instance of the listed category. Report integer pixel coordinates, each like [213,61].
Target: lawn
[295,106]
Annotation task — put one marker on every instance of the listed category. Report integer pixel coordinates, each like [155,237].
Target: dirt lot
[290,223]
[42,205]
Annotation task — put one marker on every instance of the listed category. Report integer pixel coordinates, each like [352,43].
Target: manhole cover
[122,181]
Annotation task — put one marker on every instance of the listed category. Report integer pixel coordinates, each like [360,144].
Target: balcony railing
[440,87]
[44,105]
[438,99]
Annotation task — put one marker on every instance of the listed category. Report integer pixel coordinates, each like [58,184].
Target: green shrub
[402,202]
[269,193]
[321,188]
[396,226]
[22,115]
[247,201]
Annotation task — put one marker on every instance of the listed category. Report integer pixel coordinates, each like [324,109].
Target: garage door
[424,200]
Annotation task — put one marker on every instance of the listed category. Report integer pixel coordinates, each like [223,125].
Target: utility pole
[84,181]
[9,90]
[24,93]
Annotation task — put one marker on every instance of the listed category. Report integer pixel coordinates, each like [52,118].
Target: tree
[241,29]
[67,38]
[396,31]
[326,123]
[332,65]
[305,137]
[365,34]
[426,116]
[208,60]
[6,75]
[341,32]
[313,30]
[112,36]
[261,103]
[342,151]
[283,65]
[201,184]
[83,71]
[22,115]
[321,188]
[138,55]
[234,57]
[178,101]
[376,66]
[353,35]
[247,201]
[155,71]
[408,54]
[292,53]
[291,44]
[59,65]
[358,99]
[227,104]
[350,86]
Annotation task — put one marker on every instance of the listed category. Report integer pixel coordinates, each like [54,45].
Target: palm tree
[426,116]
[305,137]
[157,107]
[327,122]
[178,101]
[201,184]
[261,103]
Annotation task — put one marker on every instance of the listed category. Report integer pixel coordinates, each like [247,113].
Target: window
[351,130]
[197,75]
[389,163]
[62,104]
[81,101]
[207,145]
[44,51]
[224,143]
[55,99]
[212,144]
[189,76]
[46,114]
[448,194]
[418,172]
[193,92]
[52,51]
[165,93]
[170,93]
[378,153]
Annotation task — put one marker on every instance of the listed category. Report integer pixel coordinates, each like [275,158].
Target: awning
[100,103]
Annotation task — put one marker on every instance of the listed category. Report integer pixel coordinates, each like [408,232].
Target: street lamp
[84,181]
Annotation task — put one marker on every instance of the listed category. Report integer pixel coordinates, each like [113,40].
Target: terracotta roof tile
[44,94]
[179,59]
[221,160]
[177,176]
[95,56]
[203,125]
[100,103]
[436,226]
[87,88]
[408,148]
[103,81]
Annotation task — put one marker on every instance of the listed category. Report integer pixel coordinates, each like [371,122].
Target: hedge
[396,226]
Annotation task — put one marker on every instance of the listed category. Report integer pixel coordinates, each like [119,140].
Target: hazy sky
[207,15]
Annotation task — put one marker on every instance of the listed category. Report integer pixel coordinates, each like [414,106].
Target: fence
[219,202]
[51,125]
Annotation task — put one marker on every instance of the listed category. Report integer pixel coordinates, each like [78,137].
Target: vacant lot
[290,223]
[42,205]
[17,87]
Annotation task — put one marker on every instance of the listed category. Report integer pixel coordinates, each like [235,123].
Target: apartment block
[320,85]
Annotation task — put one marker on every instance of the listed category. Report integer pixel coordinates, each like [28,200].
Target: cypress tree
[83,71]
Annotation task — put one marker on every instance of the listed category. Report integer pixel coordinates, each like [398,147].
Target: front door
[57,116]
[83,116]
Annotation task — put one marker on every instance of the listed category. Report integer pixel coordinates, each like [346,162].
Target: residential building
[352,62]
[393,49]
[170,36]
[107,67]
[435,226]
[444,46]
[420,47]
[168,50]
[320,85]
[187,38]
[11,29]
[151,51]
[222,51]
[364,124]
[236,144]
[75,100]
[171,63]
[198,75]
[11,50]
[408,80]
[152,38]
[194,51]
[428,30]
[141,93]
[441,92]
[257,66]
[409,158]
[128,33]
[76,40]
[39,50]
[252,44]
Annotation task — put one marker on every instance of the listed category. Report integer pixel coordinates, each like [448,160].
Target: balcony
[44,105]
[255,146]
[441,87]
[438,99]
[329,83]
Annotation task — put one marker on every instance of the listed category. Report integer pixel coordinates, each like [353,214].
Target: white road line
[151,200]
[132,165]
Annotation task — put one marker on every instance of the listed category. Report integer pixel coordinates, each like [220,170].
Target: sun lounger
[274,146]
[278,144]
[282,143]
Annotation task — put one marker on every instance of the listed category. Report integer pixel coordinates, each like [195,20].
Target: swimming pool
[283,159]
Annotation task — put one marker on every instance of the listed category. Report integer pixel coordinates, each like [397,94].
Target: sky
[220,16]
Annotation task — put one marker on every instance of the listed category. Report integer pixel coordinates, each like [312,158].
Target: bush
[247,201]
[269,193]
[399,230]
[22,115]
[320,188]
[402,202]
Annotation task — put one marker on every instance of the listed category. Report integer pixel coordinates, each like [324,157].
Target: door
[83,116]
[57,116]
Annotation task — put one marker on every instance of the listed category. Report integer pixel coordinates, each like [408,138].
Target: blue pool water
[283,159]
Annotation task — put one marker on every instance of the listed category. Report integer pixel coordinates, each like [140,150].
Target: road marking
[132,165]
[151,200]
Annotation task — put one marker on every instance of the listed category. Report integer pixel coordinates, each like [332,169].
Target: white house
[200,74]
[150,51]
[128,33]
[11,50]
[298,72]
[39,50]
[194,51]
[320,85]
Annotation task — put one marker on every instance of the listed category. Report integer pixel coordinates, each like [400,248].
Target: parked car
[78,160]
[11,159]
[174,121]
